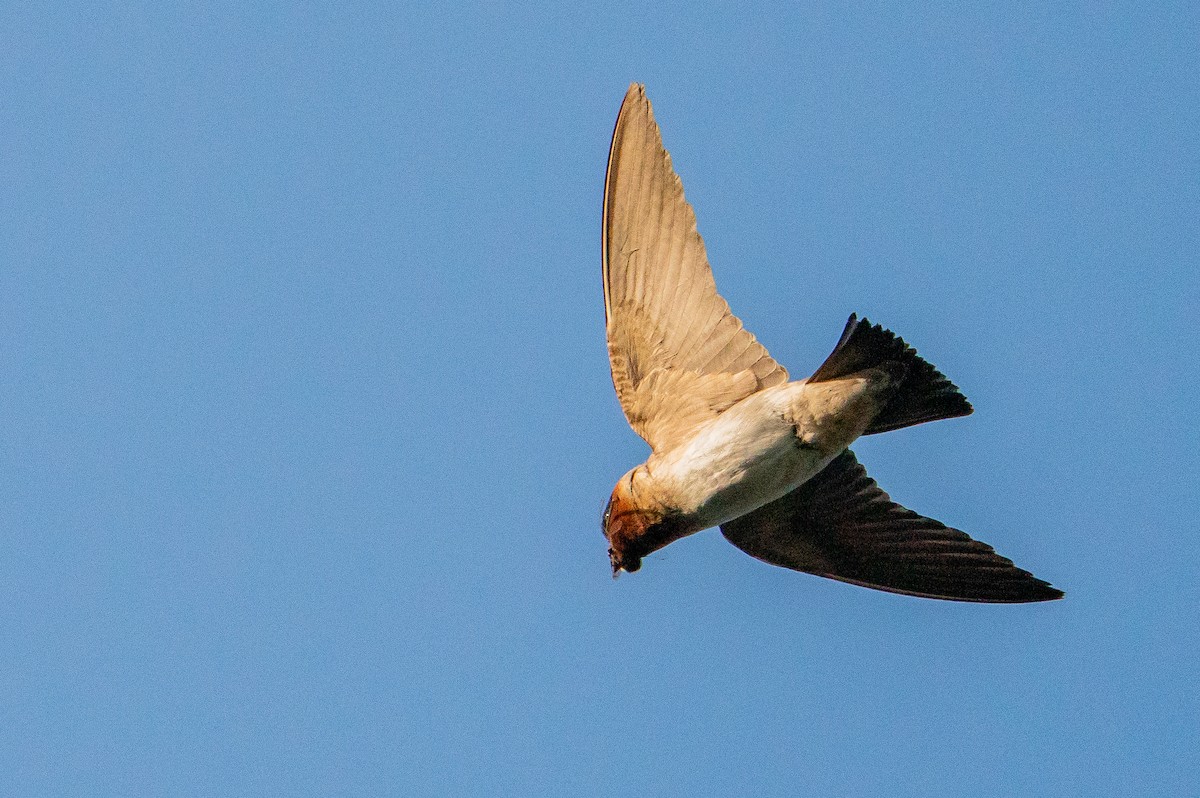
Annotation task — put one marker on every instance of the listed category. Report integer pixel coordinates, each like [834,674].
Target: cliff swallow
[738,445]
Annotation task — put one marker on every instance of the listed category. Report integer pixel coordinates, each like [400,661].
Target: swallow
[738,445]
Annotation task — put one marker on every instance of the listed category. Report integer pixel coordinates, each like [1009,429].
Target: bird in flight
[736,443]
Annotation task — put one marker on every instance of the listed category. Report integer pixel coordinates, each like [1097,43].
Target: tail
[924,393]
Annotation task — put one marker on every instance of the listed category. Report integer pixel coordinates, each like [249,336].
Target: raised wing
[841,525]
[679,356]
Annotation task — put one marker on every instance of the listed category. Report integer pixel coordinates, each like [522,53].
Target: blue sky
[307,420]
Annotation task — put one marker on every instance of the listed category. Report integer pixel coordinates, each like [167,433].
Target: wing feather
[841,525]
[678,354]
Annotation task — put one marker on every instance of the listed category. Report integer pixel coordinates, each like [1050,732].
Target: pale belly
[746,457]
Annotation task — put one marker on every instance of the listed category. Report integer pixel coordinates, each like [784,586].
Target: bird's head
[634,530]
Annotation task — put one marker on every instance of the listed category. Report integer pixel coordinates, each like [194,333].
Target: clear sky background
[307,421]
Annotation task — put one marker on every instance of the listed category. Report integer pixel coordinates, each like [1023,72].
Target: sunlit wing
[679,356]
[841,525]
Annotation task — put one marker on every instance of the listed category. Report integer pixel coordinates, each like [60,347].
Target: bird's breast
[748,456]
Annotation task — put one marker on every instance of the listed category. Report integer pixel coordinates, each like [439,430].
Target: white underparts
[760,449]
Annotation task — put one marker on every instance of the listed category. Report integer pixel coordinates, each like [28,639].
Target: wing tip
[635,94]
[1044,591]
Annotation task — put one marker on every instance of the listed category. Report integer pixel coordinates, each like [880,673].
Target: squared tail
[923,394]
